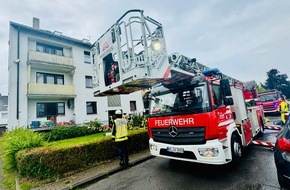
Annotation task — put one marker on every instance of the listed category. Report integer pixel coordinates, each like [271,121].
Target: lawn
[84,140]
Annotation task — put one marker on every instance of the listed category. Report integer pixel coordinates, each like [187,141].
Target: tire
[236,148]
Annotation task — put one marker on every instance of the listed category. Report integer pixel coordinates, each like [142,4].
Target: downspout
[18,58]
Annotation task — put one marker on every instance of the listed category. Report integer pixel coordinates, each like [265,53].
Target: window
[91,107]
[50,109]
[217,95]
[87,57]
[47,78]
[44,48]
[89,82]
[133,106]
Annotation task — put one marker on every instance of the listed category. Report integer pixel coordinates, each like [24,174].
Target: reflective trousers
[122,147]
[284,117]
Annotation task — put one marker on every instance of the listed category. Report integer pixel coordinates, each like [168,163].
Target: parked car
[282,156]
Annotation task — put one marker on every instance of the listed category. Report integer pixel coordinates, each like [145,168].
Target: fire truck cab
[270,101]
[200,119]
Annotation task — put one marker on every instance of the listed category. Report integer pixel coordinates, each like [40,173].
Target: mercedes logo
[173,131]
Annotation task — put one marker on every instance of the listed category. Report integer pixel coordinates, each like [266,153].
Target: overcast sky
[243,38]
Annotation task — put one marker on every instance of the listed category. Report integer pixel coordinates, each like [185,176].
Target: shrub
[11,143]
[66,132]
[94,125]
[139,120]
[14,141]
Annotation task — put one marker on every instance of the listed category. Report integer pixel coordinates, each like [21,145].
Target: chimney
[35,23]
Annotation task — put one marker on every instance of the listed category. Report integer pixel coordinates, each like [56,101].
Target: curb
[106,174]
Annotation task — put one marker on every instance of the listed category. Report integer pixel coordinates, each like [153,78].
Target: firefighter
[111,121]
[283,110]
[144,121]
[120,136]
[129,119]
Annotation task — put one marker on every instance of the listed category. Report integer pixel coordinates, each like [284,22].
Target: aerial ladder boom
[182,65]
[132,55]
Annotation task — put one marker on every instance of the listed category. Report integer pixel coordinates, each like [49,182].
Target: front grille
[269,107]
[192,135]
[186,154]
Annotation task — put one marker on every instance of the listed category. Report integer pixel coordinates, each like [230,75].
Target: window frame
[133,106]
[45,77]
[94,107]
[49,49]
[87,77]
[87,57]
[48,105]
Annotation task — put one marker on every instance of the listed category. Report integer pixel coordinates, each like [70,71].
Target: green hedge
[45,162]
[66,132]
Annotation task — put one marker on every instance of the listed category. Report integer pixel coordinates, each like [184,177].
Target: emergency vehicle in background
[196,114]
[250,92]
[270,100]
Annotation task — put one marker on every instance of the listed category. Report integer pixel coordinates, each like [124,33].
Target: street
[256,170]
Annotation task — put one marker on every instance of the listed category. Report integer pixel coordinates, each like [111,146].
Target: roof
[3,103]
[56,35]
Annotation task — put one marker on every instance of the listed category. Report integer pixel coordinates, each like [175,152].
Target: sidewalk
[95,174]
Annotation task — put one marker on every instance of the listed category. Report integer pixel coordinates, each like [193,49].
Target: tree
[260,87]
[277,81]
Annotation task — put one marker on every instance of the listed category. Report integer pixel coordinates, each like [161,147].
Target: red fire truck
[196,114]
[270,100]
[250,91]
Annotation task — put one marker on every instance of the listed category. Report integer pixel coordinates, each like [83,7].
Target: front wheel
[236,148]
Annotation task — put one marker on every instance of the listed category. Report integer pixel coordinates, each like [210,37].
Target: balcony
[50,91]
[39,60]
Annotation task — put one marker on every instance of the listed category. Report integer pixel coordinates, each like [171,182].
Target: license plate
[175,150]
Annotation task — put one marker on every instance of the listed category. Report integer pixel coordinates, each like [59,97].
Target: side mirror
[146,99]
[225,87]
[229,101]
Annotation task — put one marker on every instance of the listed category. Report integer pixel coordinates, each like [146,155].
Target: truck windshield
[268,97]
[188,99]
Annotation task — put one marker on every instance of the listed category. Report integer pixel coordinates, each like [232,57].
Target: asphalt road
[255,171]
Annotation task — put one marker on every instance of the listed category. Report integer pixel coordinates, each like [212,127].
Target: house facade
[51,77]
[3,113]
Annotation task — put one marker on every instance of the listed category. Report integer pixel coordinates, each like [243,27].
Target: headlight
[153,147]
[208,152]
[156,45]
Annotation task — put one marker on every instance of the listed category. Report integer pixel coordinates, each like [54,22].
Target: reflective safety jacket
[284,107]
[120,130]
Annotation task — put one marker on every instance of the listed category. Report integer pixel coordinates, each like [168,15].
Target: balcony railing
[50,61]
[50,90]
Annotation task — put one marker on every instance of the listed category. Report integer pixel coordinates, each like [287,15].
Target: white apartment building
[52,75]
